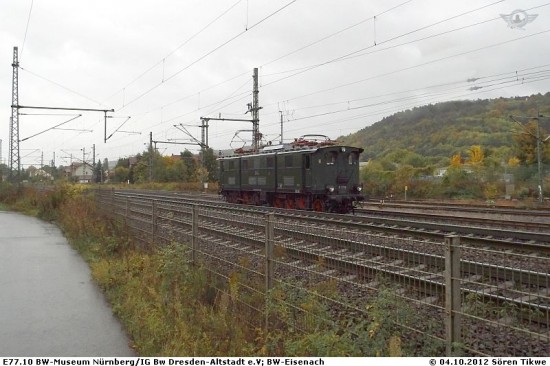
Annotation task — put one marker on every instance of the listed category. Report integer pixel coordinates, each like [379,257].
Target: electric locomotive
[311,173]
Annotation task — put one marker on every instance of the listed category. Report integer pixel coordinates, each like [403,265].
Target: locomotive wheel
[278,203]
[289,203]
[318,205]
[301,203]
[255,199]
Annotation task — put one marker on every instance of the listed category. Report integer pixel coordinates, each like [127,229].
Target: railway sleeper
[501,286]
[347,278]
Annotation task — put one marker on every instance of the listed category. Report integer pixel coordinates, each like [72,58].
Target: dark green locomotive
[306,174]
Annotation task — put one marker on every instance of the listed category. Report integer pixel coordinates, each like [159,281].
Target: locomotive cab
[333,177]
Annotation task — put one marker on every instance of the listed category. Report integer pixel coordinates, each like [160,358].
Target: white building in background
[35,172]
[80,172]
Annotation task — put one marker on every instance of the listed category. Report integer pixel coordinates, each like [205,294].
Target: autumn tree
[456,160]
[526,144]
[513,162]
[476,155]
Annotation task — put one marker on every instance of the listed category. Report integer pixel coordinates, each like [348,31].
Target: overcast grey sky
[331,67]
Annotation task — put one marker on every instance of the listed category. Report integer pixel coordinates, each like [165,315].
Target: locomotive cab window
[330,157]
[353,158]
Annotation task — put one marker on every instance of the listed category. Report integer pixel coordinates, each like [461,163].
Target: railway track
[538,214]
[509,283]
[339,243]
[490,232]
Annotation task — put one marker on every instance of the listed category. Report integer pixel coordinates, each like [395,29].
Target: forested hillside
[438,132]
[470,145]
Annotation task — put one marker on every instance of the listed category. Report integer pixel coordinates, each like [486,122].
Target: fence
[439,297]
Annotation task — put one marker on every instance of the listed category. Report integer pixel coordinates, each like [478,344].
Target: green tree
[105,165]
[211,165]
[122,174]
[98,172]
[170,169]
[190,164]
[376,180]
[457,183]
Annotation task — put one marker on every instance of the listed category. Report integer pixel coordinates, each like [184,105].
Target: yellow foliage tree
[476,155]
[456,160]
[513,162]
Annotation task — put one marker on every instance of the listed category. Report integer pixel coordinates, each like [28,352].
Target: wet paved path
[49,305]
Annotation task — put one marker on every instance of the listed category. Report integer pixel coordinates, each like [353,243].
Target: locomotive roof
[287,149]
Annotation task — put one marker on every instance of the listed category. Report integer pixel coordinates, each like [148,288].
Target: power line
[439,22]
[26,29]
[270,62]
[209,53]
[419,65]
[357,53]
[316,42]
[334,34]
[61,86]
[176,49]
[456,85]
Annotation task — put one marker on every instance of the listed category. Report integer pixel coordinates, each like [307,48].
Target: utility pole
[15,162]
[281,126]
[255,110]
[204,134]
[93,163]
[539,140]
[539,161]
[150,157]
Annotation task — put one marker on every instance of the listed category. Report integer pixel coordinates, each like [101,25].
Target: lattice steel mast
[15,162]
[255,109]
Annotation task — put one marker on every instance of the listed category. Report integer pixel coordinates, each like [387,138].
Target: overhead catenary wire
[175,49]
[26,31]
[421,64]
[61,86]
[482,81]
[51,128]
[489,46]
[425,27]
[283,56]
[209,53]
[495,81]
[277,59]
[357,53]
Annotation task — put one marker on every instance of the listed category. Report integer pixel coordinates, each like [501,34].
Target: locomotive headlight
[359,188]
[330,189]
